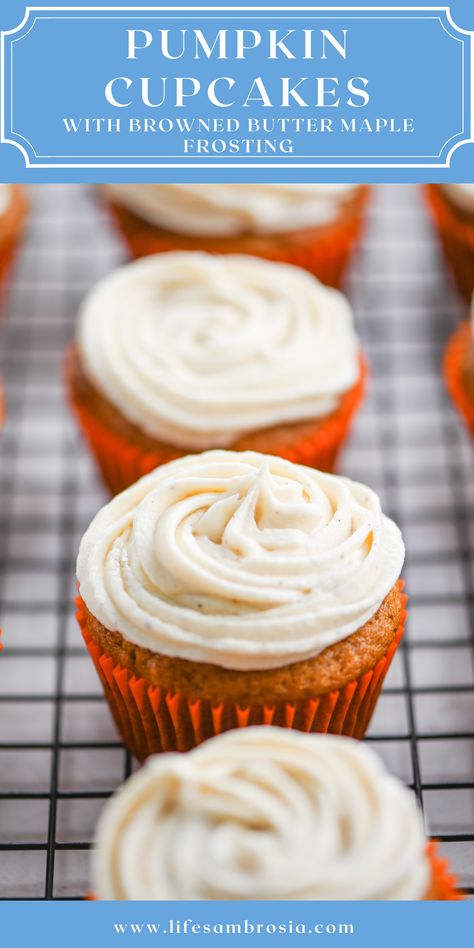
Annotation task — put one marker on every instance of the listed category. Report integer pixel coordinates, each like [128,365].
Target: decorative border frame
[119,162]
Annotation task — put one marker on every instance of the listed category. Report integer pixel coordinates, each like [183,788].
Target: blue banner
[344,91]
[264,924]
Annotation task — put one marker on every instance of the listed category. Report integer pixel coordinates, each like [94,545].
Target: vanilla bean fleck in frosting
[240,560]
[461,194]
[197,350]
[263,813]
[230,210]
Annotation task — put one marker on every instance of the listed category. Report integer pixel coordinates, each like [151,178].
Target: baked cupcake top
[198,350]
[240,560]
[230,210]
[263,813]
[461,194]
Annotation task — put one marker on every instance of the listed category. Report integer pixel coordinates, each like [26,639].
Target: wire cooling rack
[59,754]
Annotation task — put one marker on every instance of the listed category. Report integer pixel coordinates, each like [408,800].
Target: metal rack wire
[59,754]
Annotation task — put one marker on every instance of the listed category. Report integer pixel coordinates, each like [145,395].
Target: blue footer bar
[355,924]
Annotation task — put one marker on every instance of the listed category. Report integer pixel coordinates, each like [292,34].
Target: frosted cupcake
[186,352]
[316,226]
[452,207]
[226,589]
[12,217]
[266,814]
[459,370]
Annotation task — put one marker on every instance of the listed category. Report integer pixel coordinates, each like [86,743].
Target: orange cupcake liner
[456,232]
[453,373]
[7,255]
[326,251]
[9,241]
[152,720]
[122,462]
[443,883]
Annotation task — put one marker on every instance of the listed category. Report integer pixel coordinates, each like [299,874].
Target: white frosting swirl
[263,813]
[461,194]
[5,197]
[242,560]
[198,350]
[229,210]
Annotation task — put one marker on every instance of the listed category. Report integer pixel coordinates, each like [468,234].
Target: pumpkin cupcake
[315,226]
[267,814]
[228,589]
[459,370]
[452,207]
[185,352]
[12,217]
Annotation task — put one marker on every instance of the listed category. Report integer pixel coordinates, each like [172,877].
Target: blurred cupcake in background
[452,207]
[459,370]
[13,207]
[267,814]
[229,589]
[315,226]
[183,352]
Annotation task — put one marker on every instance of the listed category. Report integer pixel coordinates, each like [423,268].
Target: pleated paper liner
[122,462]
[457,237]
[7,255]
[152,719]
[454,361]
[11,227]
[443,887]
[324,251]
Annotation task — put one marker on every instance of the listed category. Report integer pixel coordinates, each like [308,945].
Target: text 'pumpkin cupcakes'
[452,206]
[267,814]
[186,352]
[315,226]
[229,589]
[459,370]
[12,217]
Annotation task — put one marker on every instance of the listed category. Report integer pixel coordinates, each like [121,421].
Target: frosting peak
[263,813]
[198,350]
[229,210]
[5,197]
[240,560]
[462,195]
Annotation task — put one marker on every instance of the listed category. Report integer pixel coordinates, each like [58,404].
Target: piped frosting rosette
[263,814]
[198,350]
[228,210]
[462,195]
[238,559]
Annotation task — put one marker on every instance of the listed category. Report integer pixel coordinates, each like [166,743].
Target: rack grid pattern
[59,754]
